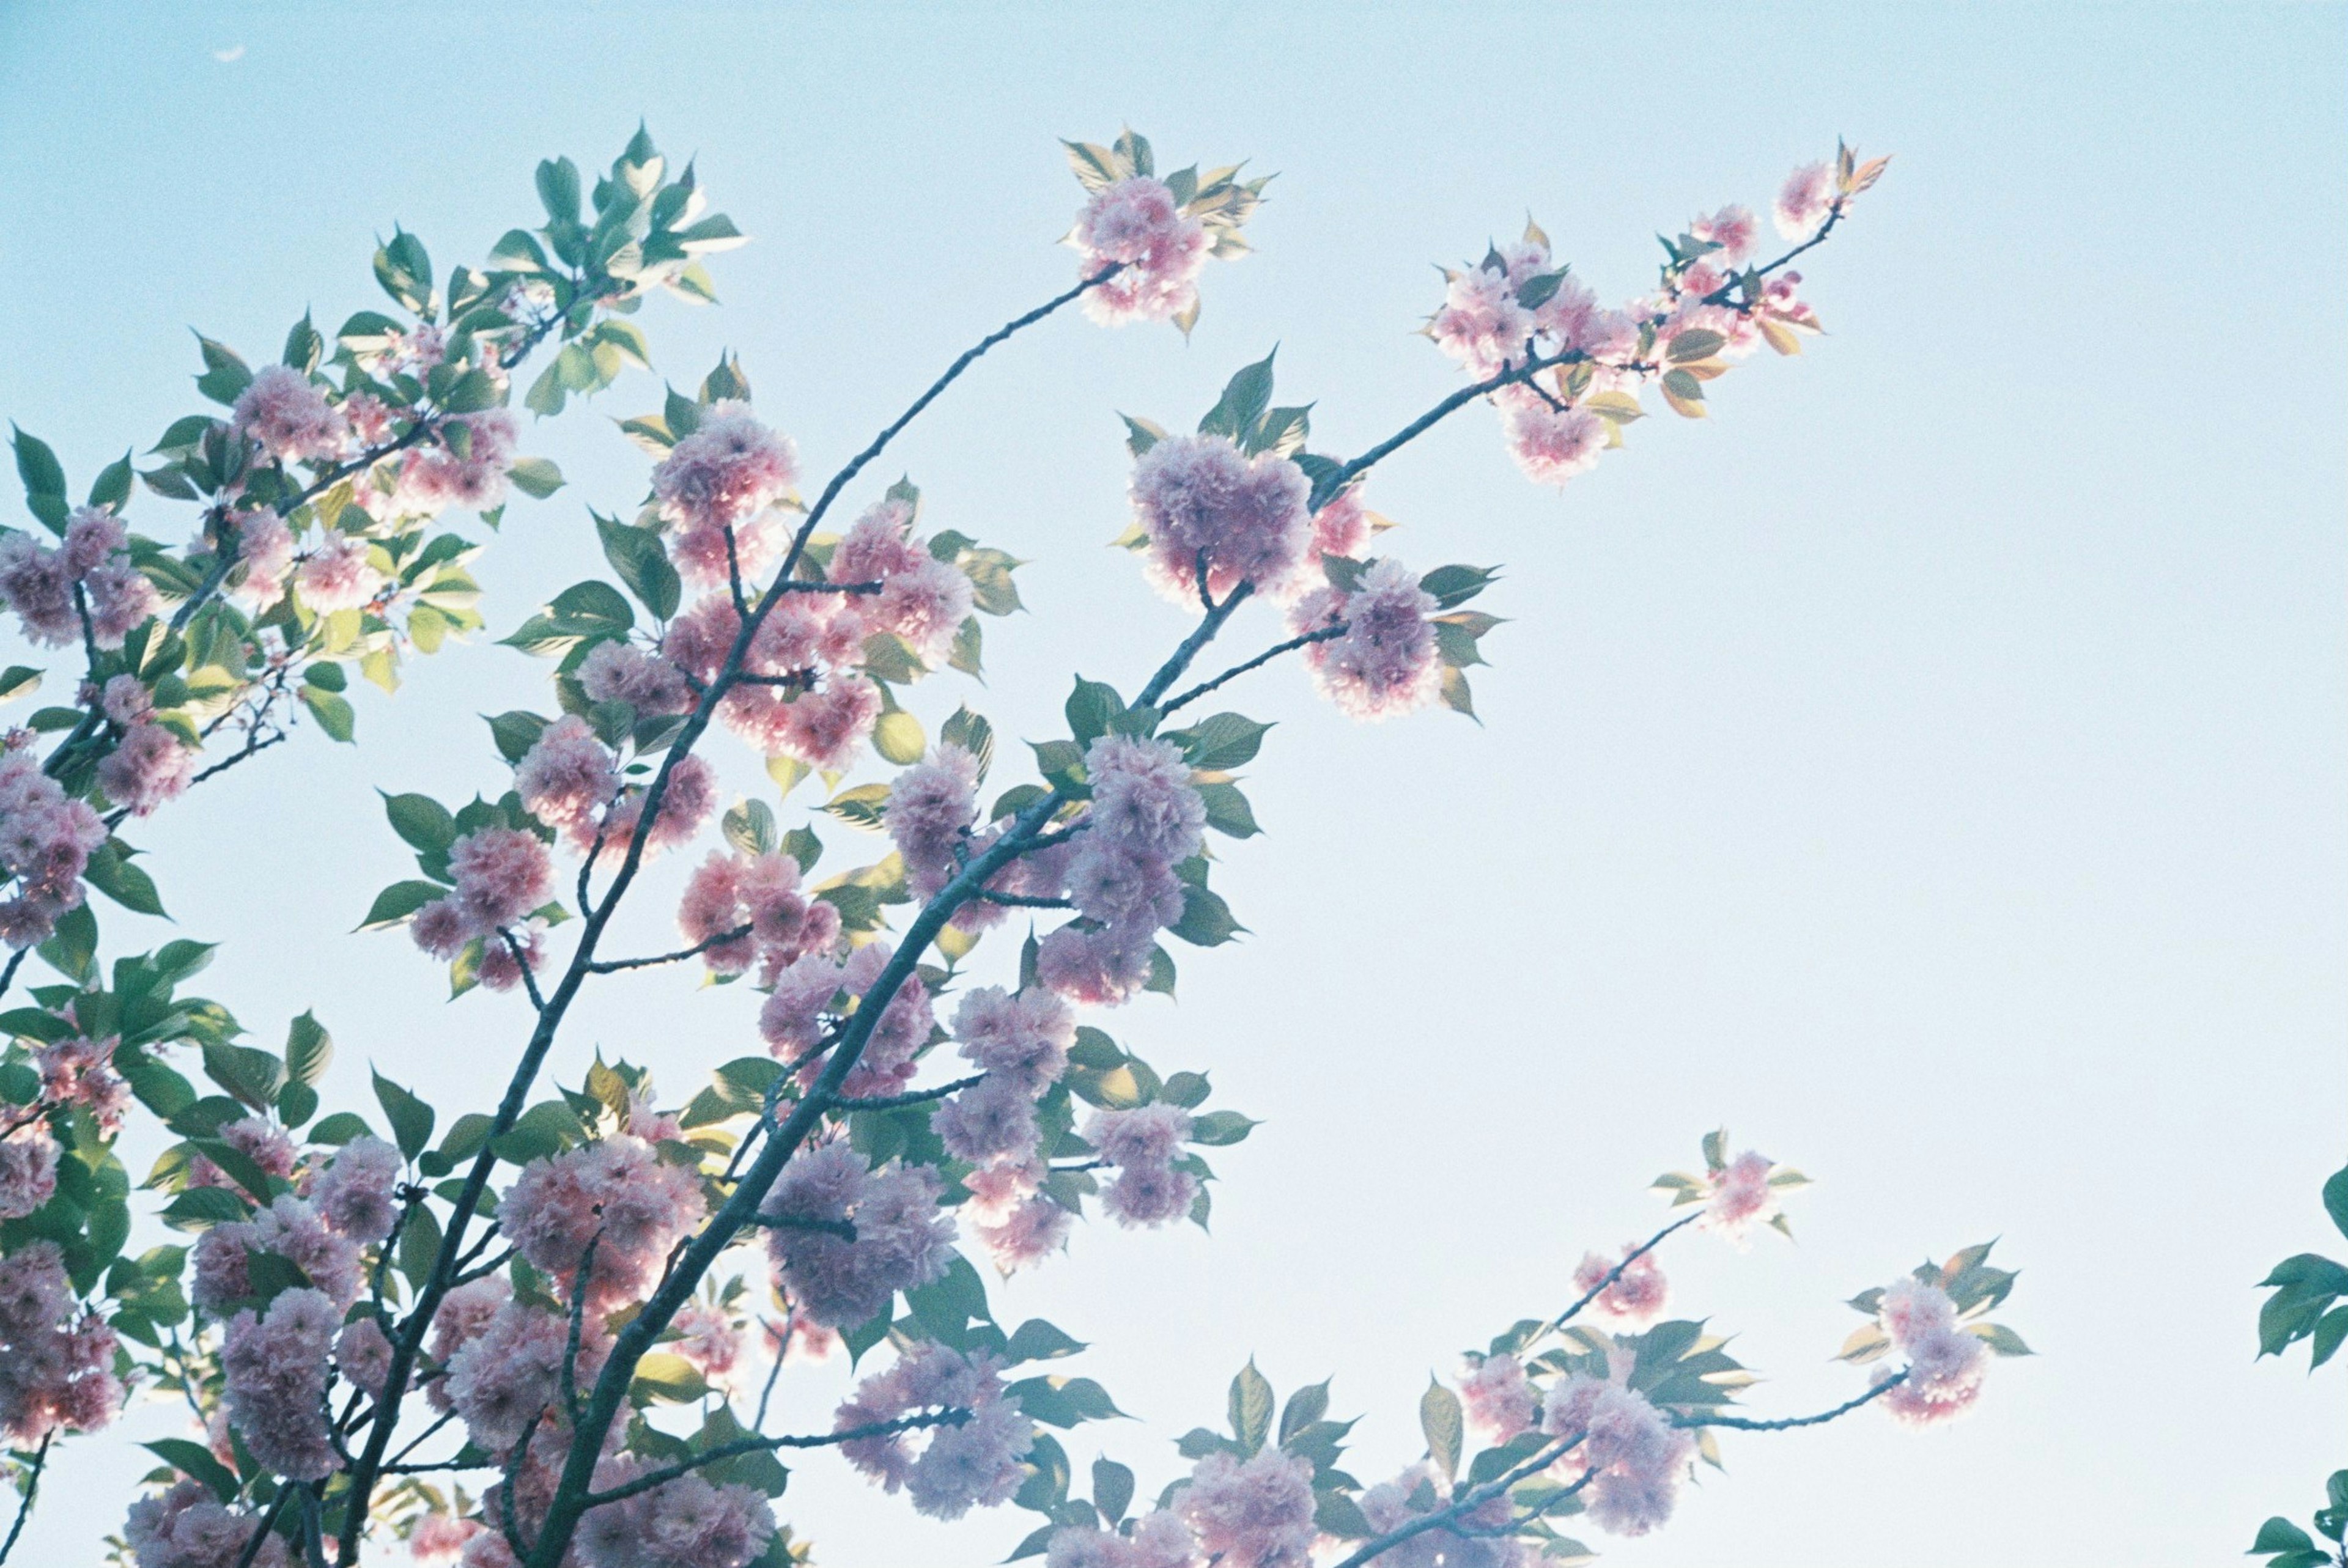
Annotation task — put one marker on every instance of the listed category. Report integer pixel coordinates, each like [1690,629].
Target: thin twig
[1324,635]
[911,1096]
[1787,1423]
[613,966]
[954,1416]
[32,1492]
[1613,1274]
[1462,1503]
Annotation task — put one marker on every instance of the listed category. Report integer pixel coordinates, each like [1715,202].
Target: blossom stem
[952,1417]
[1787,1423]
[1465,1502]
[261,1532]
[8,975]
[1324,634]
[1613,1274]
[32,1492]
[609,966]
[1208,625]
[911,1096]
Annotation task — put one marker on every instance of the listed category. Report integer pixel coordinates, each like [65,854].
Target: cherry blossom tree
[554,1329]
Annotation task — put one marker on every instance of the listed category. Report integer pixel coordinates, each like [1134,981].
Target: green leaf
[1245,397]
[643,564]
[127,884]
[1207,920]
[861,807]
[399,901]
[2330,1329]
[1695,344]
[1112,1489]
[254,1076]
[1037,1340]
[1306,1405]
[1228,811]
[423,823]
[1092,708]
[1217,1128]
[308,1050]
[2279,1534]
[331,711]
[1063,1402]
[898,737]
[1218,745]
[340,1129]
[195,1461]
[2335,1199]
[558,189]
[411,1119]
[515,733]
[111,488]
[1440,1419]
[535,476]
[593,607]
[1251,1407]
[72,948]
[18,681]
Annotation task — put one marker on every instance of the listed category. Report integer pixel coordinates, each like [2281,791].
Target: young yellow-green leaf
[1441,1420]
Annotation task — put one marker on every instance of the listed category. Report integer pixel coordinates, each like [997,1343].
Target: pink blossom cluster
[501,875]
[808,990]
[1479,1539]
[46,841]
[758,896]
[357,1192]
[683,1523]
[1803,202]
[711,1340]
[337,574]
[617,1194]
[1159,1539]
[1255,1512]
[921,600]
[57,1361]
[1945,1363]
[148,767]
[1384,661]
[264,554]
[187,1527]
[1146,819]
[845,1238]
[276,1368]
[1637,1456]
[723,478]
[931,807]
[29,1171]
[975,1462]
[1020,1042]
[463,465]
[363,1355]
[292,1228]
[505,1372]
[1500,1402]
[622,672]
[1135,226]
[39,585]
[1142,1146]
[1636,1294]
[571,781]
[1739,1196]
[262,1142]
[1197,496]
[287,415]
[438,1539]
[78,1070]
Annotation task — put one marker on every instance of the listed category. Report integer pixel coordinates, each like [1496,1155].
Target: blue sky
[1930,765]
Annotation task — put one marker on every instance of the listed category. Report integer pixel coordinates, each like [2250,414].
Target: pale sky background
[1930,766]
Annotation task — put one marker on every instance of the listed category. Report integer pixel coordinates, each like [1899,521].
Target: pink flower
[1024,1037]
[1481,325]
[902,1240]
[1138,223]
[1145,1195]
[1733,229]
[566,777]
[825,728]
[617,1194]
[37,584]
[1255,1512]
[186,1528]
[1498,1398]
[56,1360]
[465,464]
[288,414]
[1340,527]
[1945,1363]
[1030,1231]
[263,1143]
[1386,660]
[974,1464]
[357,1192]
[501,874]
[1553,444]
[1196,495]
[756,894]
[1098,967]
[729,468]
[512,1370]
[1803,204]
[1639,1457]
[29,1171]
[1741,1197]
[928,814]
[923,599]
[994,1119]
[264,548]
[1636,1295]
[363,1355]
[507,953]
[1145,1135]
[149,768]
[687,1522]
[46,841]
[338,576]
[290,1227]
[1143,799]
[711,1340]
[275,1369]
[620,673]
[439,1537]
[120,595]
[77,1070]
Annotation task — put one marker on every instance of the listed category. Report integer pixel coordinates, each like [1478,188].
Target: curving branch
[613,966]
[32,1492]
[1324,634]
[1787,1423]
[953,1416]
[1466,1503]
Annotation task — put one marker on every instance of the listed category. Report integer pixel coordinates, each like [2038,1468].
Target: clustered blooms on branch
[549,1279]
